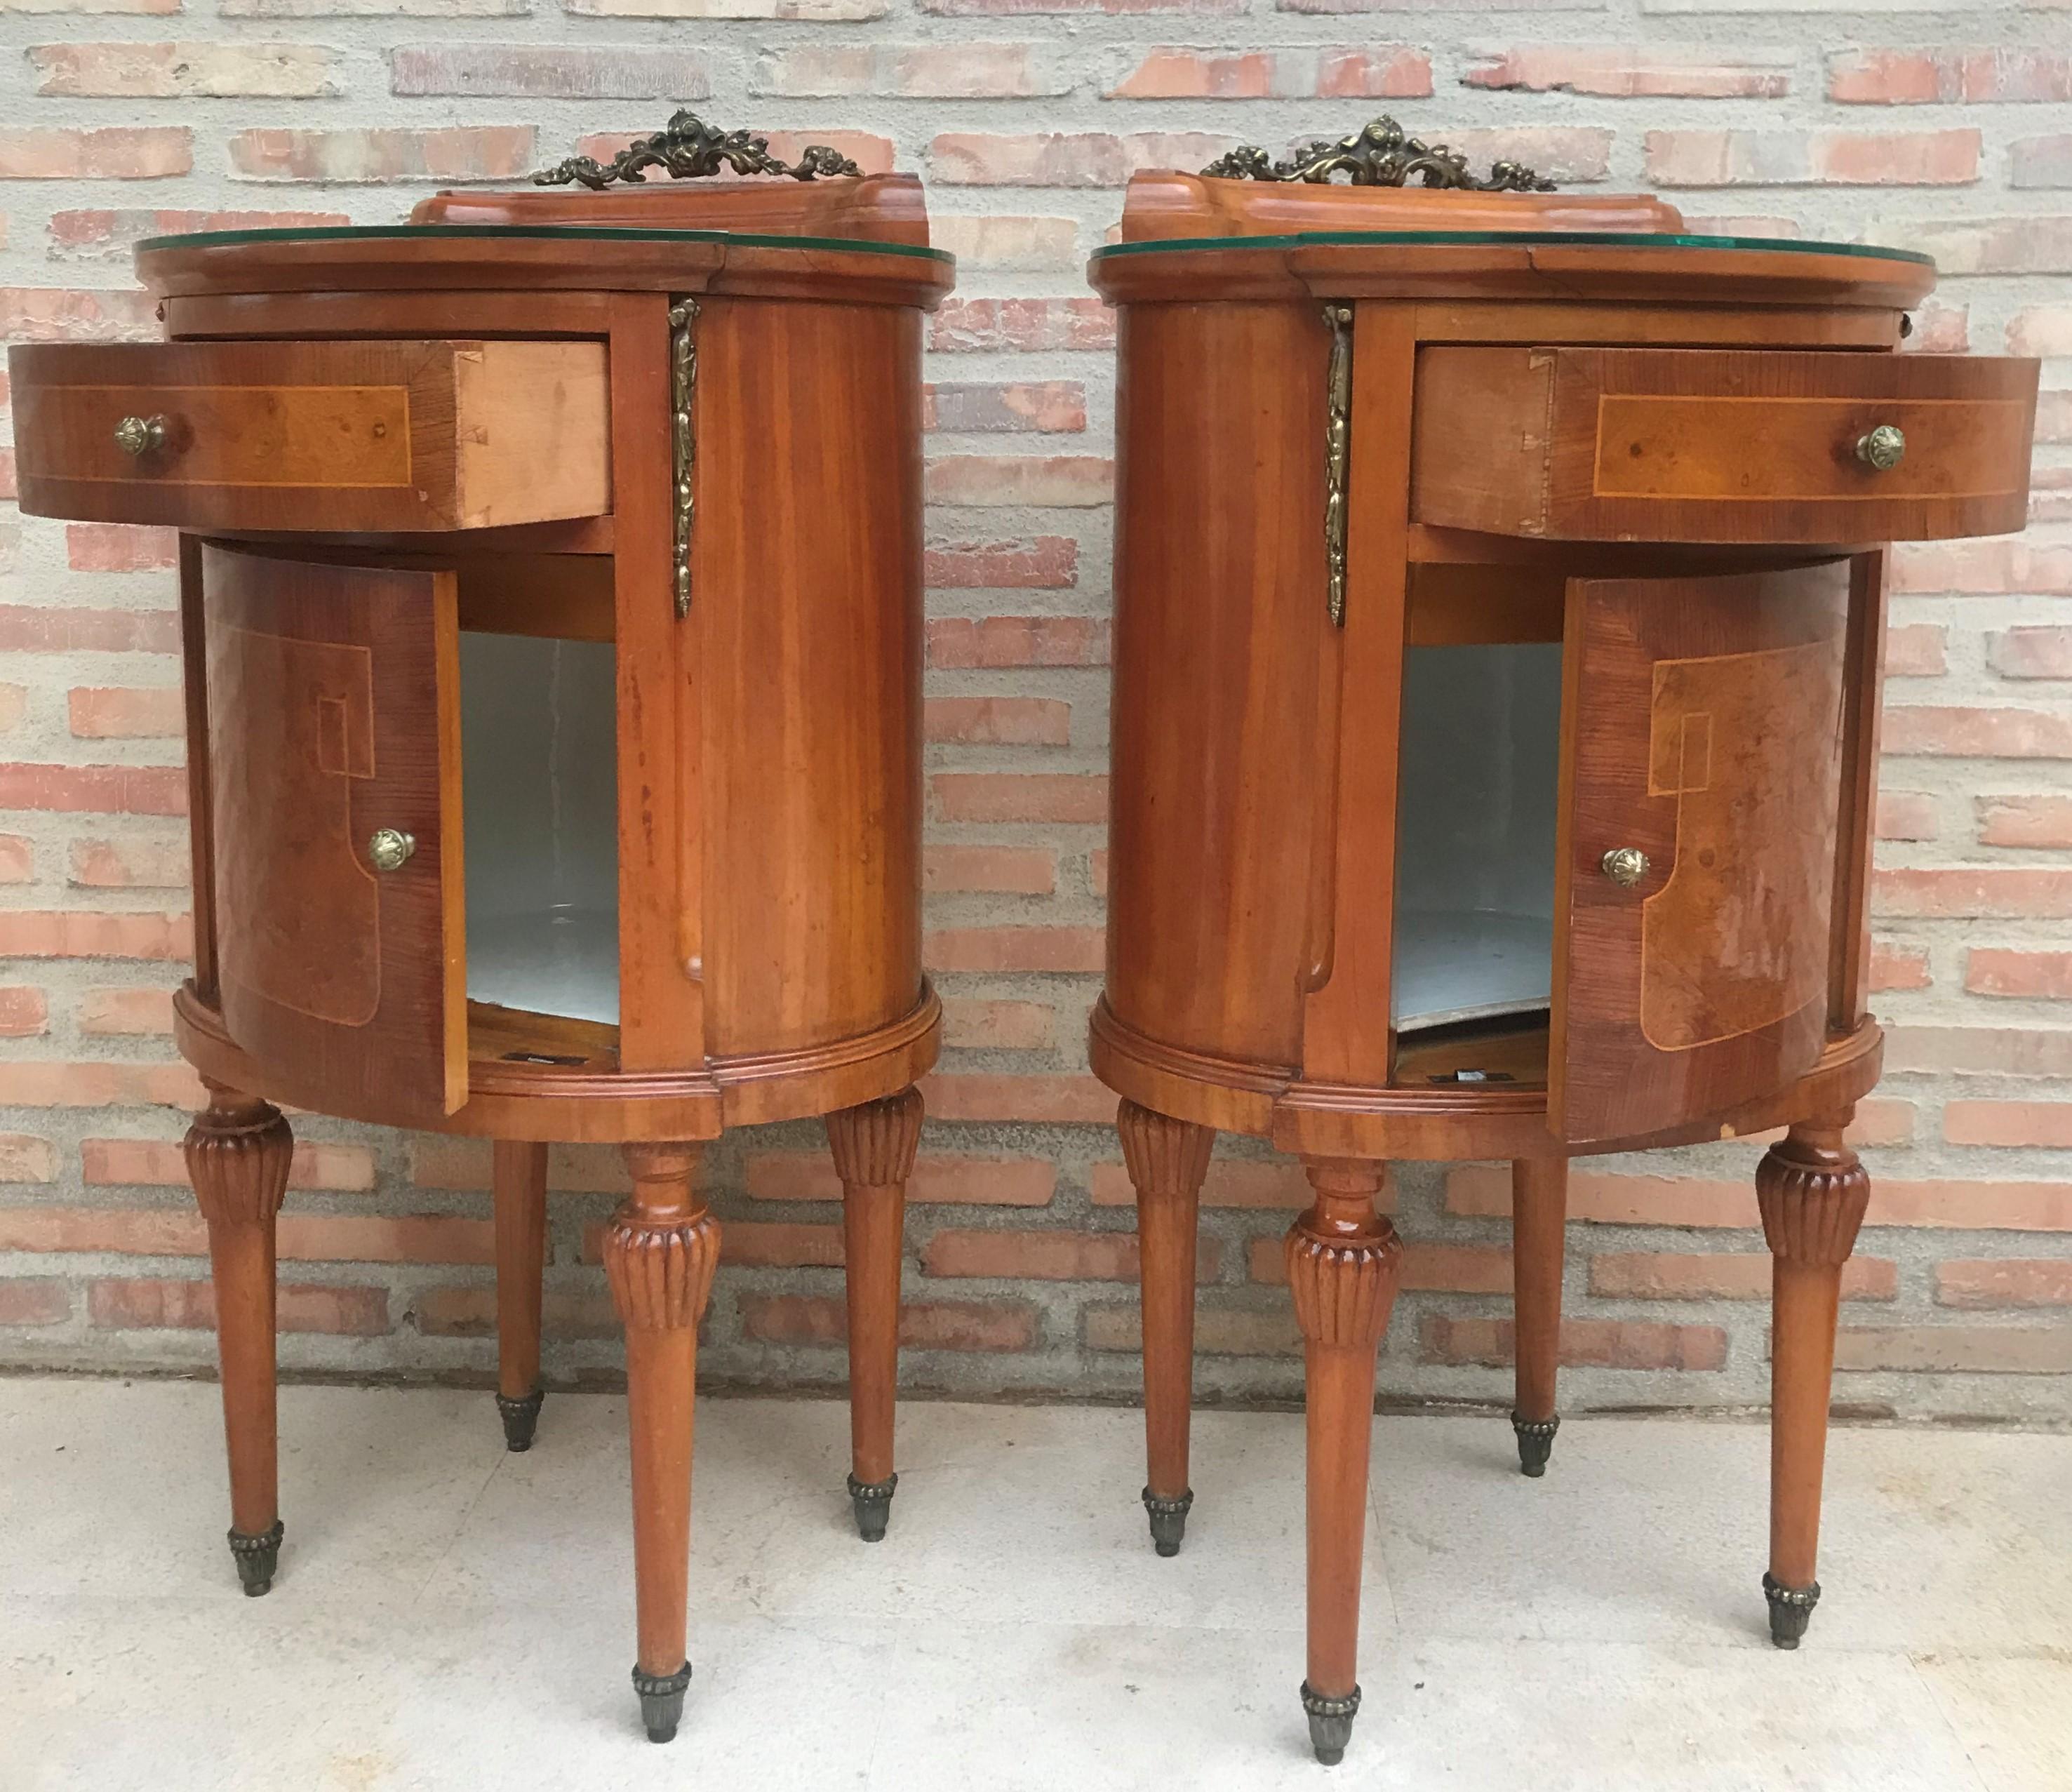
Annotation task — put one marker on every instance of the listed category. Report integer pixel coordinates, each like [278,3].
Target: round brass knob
[1881,449]
[139,435]
[1625,864]
[389,846]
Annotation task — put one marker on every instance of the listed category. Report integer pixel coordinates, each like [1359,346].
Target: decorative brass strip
[1377,155]
[683,396]
[688,148]
[1337,451]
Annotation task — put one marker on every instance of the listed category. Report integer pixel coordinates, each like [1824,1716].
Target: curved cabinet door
[1701,751]
[333,751]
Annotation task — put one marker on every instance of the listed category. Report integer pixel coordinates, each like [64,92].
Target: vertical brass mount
[1338,452]
[683,445]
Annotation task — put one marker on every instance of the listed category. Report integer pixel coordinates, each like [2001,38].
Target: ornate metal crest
[1380,155]
[689,148]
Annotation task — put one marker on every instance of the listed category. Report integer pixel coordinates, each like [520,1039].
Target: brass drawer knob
[389,846]
[1881,449]
[1625,865]
[138,436]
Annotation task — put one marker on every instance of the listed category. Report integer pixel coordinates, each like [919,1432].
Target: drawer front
[334,436]
[1725,444]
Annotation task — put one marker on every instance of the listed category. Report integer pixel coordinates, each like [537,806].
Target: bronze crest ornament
[1377,155]
[688,148]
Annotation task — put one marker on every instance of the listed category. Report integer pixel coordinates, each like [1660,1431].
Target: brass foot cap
[871,1501]
[1330,1722]
[1169,1519]
[1791,1610]
[1535,1443]
[662,1701]
[521,1419]
[257,1558]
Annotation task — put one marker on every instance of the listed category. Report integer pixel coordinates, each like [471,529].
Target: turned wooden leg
[1813,1192]
[518,1178]
[238,1152]
[872,1147]
[1539,1225]
[659,1253]
[1344,1263]
[1167,1160]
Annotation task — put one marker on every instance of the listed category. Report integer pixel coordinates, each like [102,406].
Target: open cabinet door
[333,750]
[1701,751]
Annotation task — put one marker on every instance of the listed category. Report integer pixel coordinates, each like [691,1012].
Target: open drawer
[1721,445]
[341,436]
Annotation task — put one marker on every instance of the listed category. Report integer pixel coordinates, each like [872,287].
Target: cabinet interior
[540,805]
[1475,868]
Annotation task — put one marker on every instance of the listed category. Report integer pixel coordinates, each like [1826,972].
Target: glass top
[334,233]
[1533,239]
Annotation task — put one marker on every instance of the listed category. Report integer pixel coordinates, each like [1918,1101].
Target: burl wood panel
[337,436]
[1219,608]
[1718,445]
[1702,723]
[332,702]
[806,604]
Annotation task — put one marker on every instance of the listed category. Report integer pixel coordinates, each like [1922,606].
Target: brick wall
[1945,129]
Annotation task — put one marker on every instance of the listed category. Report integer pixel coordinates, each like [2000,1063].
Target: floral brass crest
[1380,155]
[688,148]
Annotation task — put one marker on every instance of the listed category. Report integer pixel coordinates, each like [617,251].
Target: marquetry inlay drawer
[1721,445]
[331,436]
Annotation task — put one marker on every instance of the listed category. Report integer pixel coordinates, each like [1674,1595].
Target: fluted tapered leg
[1167,1160]
[874,1146]
[238,1151]
[1539,1222]
[518,1180]
[659,1254]
[1813,1192]
[1344,1263]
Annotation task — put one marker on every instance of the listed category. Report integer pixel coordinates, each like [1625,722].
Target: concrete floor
[448,1615]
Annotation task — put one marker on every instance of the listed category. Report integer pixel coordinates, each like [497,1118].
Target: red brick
[2002,971]
[1893,966]
[1049,481]
[185,71]
[2004,1282]
[56,628]
[1917,650]
[17,859]
[923,1324]
[1233,1182]
[95,790]
[982,407]
[971,1024]
[1064,158]
[2024,820]
[1906,815]
[1632,71]
[315,1238]
[1586,1343]
[23,1012]
[1976,1205]
[2009,892]
[2000,566]
[1484,1190]
[1720,1276]
[2050,494]
[2013,1125]
[58,314]
[2038,652]
[14,705]
[1957,1349]
[34,1301]
[26,1158]
[1029,326]
[1800,158]
[114,152]
[1003,870]
[470,1311]
[1384,71]
[911,71]
[1980,1050]
[464,1164]
[138,864]
[73,933]
[459,153]
[156,1163]
[2044,329]
[1047,1256]
[812,11]
[963,1180]
[1939,329]
[113,236]
[994,643]
[1446,1268]
[971,1095]
[1008,243]
[549,72]
[154,713]
[155,1303]
[1057,796]
[980,8]
[1042,562]
[1970,75]
[120,547]
[1219,1331]
[998,721]
[2053,415]
[2035,161]
[1014,949]
[1977,733]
